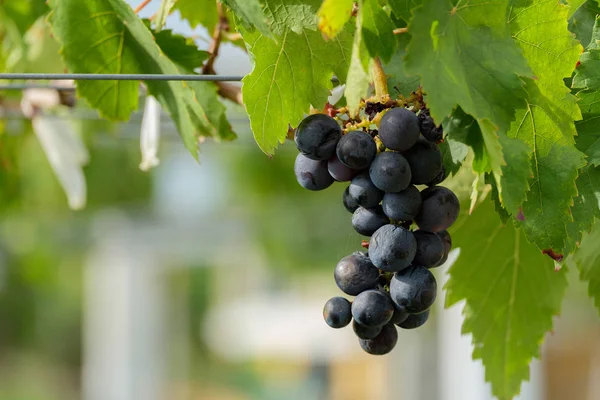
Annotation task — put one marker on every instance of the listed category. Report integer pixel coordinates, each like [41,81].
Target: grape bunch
[392,282]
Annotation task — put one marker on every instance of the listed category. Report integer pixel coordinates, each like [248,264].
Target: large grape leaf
[294,15]
[198,12]
[582,21]
[289,76]
[250,12]
[587,74]
[333,16]
[402,8]
[585,206]
[180,49]
[377,31]
[546,123]
[116,40]
[587,259]
[398,79]
[511,292]
[516,174]
[465,56]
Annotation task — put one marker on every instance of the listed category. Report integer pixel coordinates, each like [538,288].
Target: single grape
[350,202]
[392,248]
[317,136]
[441,177]
[399,316]
[402,206]
[364,191]
[355,273]
[425,160]
[439,209]
[428,129]
[339,171]
[312,174]
[414,320]
[367,220]
[356,150]
[337,312]
[390,172]
[430,249]
[399,129]
[447,240]
[365,332]
[413,289]
[372,308]
[382,343]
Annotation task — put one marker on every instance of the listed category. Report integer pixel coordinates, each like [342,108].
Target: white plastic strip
[150,134]
[66,154]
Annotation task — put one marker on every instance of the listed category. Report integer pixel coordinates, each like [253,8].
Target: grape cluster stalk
[386,162]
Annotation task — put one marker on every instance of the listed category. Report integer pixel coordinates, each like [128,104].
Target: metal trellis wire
[102,77]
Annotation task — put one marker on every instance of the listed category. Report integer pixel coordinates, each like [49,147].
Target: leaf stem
[379,79]
[141,6]
[398,31]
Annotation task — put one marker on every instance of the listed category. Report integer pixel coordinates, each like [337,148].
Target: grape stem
[398,31]
[379,79]
[141,6]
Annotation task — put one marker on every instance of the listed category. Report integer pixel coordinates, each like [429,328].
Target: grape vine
[497,97]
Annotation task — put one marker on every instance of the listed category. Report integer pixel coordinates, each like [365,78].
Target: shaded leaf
[587,259]
[377,31]
[199,12]
[588,129]
[181,50]
[582,22]
[511,292]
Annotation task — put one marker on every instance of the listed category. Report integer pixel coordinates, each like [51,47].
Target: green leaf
[516,174]
[582,22]
[358,71]
[250,12]
[294,15]
[453,154]
[574,5]
[333,16]
[199,12]
[402,8]
[511,292]
[587,259]
[465,56]
[163,12]
[586,205]
[181,50]
[289,76]
[377,31]
[23,13]
[116,40]
[588,129]
[495,197]
[587,76]
[463,128]
[398,79]
[546,123]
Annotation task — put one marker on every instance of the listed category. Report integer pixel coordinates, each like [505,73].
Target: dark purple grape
[402,206]
[430,249]
[399,129]
[367,220]
[365,332]
[372,308]
[399,316]
[350,202]
[439,209]
[339,171]
[413,289]
[382,343]
[356,150]
[337,312]
[312,174]
[428,129]
[414,320]
[392,248]
[425,160]
[364,191]
[447,240]
[441,177]
[317,136]
[355,273]
[390,172]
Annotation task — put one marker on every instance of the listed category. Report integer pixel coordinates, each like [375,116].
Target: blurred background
[205,281]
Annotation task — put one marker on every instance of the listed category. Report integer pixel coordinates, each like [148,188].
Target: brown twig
[141,6]
[398,31]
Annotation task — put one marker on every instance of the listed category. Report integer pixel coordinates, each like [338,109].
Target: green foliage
[163,13]
[377,31]
[582,21]
[285,82]
[333,16]
[587,260]
[249,11]
[466,57]
[294,15]
[198,12]
[511,292]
